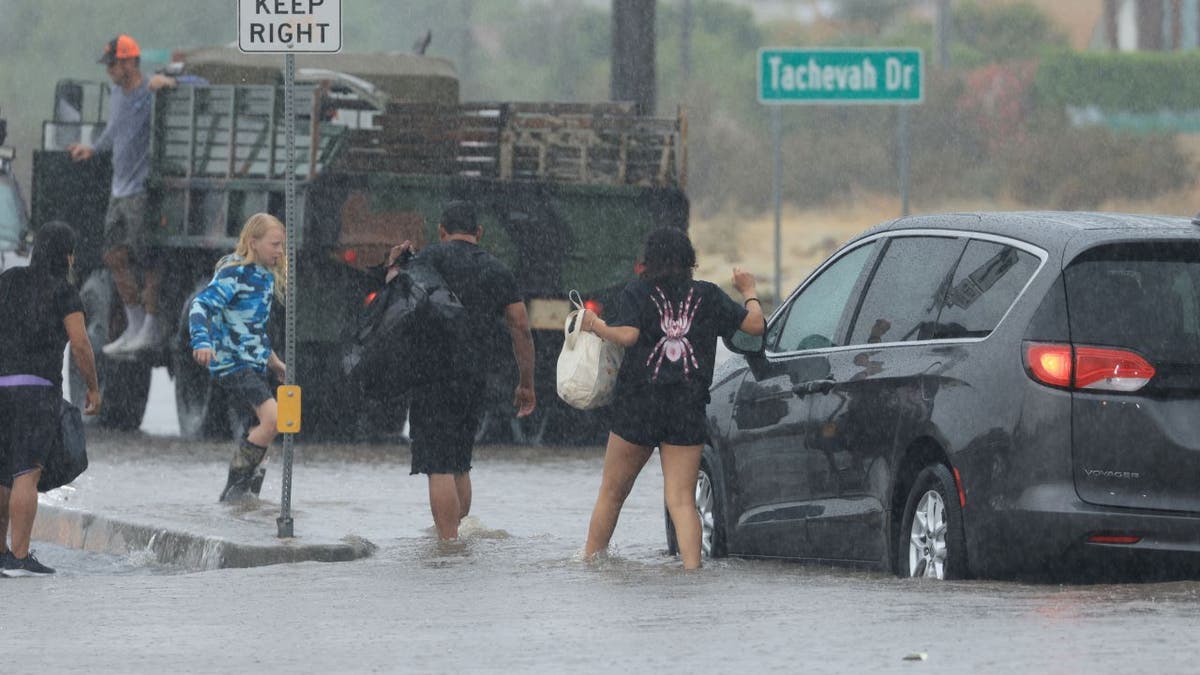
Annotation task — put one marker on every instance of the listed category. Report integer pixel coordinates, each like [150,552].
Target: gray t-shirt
[128,136]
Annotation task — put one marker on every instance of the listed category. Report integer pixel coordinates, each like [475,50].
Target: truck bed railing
[594,143]
[236,131]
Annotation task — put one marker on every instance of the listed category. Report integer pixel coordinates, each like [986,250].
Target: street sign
[289,26]
[840,76]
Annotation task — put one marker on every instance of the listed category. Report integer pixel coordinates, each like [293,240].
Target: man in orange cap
[127,235]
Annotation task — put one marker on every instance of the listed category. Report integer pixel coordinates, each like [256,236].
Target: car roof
[1050,230]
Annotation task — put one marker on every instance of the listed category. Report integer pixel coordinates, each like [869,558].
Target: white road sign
[289,26]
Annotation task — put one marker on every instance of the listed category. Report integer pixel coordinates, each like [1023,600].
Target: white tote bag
[587,366]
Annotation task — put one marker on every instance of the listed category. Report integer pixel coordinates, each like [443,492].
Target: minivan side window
[907,289]
[813,316]
[988,279]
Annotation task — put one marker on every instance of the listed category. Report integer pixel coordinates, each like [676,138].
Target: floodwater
[514,595]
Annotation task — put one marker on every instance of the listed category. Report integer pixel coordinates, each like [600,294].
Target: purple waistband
[24,381]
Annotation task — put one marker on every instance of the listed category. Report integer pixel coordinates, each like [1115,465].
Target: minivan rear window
[1139,296]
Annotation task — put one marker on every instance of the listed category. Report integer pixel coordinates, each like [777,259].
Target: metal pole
[902,156]
[289,113]
[941,34]
[777,194]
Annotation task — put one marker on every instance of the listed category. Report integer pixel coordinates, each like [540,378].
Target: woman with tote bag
[40,313]
[669,324]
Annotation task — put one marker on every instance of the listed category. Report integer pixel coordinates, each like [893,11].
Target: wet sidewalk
[158,495]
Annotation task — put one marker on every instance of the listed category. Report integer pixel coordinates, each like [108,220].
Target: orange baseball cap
[120,47]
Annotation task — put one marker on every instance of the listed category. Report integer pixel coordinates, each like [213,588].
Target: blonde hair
[256,228]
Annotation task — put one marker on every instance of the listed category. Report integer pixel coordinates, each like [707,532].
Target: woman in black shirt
[669,324]
[40,312]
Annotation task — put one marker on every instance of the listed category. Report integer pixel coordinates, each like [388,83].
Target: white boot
[134,318]
[148,337]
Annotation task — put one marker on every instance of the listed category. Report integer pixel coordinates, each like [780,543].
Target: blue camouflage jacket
[230,317]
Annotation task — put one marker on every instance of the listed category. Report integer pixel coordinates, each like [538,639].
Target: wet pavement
[514,596]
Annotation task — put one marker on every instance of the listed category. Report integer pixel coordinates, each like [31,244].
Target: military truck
[566,192]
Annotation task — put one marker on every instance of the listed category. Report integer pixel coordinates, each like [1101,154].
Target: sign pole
[312,26]
[285,523]
[903,156]
[777,196]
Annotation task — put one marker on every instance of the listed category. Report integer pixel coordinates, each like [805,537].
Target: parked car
[14,219]
[970,395]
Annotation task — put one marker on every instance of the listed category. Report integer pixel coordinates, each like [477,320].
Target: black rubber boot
[242,468]
[260,472]
[237,487]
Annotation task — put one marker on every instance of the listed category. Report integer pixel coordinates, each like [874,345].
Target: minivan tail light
[1110,369]
[1093,368]
[1049,363]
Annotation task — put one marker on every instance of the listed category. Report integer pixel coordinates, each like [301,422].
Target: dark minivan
[970,395]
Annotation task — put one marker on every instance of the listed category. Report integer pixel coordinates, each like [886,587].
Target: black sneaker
[24,567]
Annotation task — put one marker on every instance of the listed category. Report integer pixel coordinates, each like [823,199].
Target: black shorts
[443,419]
[653,415]
[29,428]
[246,387]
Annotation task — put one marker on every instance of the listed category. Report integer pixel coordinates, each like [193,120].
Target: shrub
[1067,168]
[1134,82]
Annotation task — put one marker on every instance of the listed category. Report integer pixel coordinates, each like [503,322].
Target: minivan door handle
[814,387]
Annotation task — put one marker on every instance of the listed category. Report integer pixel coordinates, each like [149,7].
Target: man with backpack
[444,413]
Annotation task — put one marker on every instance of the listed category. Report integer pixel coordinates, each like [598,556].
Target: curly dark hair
[668,256]
[53,245]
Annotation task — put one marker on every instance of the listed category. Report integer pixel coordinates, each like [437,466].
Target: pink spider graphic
[675,323]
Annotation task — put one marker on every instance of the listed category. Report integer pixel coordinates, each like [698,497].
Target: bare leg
[22,510]
[4,494]
[622,463]
[265,431]
[118,264]
[462,485]
[681,466]
[443,501]
[248,455]
[151,282]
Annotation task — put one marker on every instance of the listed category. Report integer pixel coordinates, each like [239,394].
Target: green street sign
[840,76]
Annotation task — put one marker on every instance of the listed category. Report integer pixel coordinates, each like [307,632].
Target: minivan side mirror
[745,344]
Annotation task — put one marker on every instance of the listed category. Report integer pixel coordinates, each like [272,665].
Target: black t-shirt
[679,324]
[32,336]
[485,287]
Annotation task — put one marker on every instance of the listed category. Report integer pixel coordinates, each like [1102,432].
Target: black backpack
[406,336]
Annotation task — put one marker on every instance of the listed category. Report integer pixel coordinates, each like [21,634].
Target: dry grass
[810,235]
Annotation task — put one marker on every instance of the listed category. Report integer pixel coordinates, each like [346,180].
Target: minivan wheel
[712,535]
[931,535]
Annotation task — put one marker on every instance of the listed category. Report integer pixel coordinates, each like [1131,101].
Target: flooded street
[514,596]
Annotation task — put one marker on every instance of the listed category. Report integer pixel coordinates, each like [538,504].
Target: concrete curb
[96,533]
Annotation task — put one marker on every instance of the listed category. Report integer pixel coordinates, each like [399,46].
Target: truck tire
[124,384]
[201,407]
